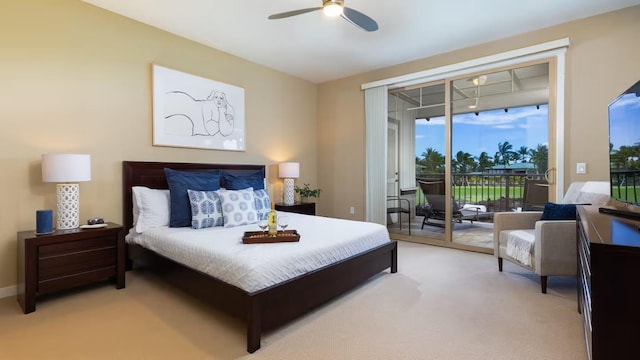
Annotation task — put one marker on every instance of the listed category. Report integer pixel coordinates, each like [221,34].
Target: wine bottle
[273,221]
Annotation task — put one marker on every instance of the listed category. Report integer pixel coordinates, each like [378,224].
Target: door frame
[393,155]
[553,50]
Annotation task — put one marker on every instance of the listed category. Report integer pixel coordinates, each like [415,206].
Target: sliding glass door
[478,141]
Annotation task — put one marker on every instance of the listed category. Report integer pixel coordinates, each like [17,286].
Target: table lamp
[67,169]
[288,171]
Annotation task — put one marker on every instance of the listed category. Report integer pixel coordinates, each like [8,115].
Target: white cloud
[499,119]
[439,121]
[630,101]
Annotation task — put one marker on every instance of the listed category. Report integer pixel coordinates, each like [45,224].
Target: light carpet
[442,304]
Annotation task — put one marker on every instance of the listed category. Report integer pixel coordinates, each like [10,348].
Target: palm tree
[484,162]
[539,157]
[523,152]
[433,161]
[505,153]
[463,163]
[624,158]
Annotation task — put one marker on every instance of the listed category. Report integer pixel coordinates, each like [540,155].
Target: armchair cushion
[559,212]
[555,248]
[520,245]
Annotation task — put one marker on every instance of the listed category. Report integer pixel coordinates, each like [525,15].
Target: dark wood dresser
[609,284]
[66,259]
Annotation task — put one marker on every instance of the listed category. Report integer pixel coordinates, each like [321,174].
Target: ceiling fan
[335,8]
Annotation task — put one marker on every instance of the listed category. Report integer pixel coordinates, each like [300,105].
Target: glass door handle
[549,176]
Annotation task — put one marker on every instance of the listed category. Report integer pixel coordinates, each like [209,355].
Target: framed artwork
[194,112]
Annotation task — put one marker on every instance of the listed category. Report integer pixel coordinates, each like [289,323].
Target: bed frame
[263,309]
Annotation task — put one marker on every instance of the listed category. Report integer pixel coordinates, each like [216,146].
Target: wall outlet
[581,168]
[352,210]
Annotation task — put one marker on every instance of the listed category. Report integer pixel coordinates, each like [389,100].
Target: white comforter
[220,252]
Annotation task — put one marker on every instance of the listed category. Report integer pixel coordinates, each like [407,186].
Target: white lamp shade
[59,168]
[289,170]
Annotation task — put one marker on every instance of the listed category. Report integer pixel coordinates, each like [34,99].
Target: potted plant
[306,192]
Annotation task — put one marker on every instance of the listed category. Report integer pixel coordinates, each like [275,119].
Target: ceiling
[516,87]
[318,48]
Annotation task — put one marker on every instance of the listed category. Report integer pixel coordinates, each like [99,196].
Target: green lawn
[476,194]
[626,192]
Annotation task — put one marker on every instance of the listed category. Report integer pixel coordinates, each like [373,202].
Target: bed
[267,307]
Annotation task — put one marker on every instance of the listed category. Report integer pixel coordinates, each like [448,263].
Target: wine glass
[263,224]
[283,221]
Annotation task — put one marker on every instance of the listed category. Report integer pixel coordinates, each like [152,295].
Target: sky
[523,126]
[624,123]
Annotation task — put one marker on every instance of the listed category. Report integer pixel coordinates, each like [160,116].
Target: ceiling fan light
[479,80]
[332,10]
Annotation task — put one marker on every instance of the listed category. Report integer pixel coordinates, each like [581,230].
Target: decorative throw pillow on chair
[554,211]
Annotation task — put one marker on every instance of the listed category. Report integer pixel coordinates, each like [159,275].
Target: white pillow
[238,207]
[206,210]
[151,208]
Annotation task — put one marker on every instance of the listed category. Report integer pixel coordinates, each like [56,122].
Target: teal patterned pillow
[206,209]
[238,207]
[263,204]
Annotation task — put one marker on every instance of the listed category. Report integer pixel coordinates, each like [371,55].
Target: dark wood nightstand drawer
[74,280]
[71,247]
[65,264]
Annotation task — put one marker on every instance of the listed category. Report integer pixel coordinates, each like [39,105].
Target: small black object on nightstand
[298,207]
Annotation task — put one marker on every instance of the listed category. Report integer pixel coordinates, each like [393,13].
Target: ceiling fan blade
[359,19]
[293,13]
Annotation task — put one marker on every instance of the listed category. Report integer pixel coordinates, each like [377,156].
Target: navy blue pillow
[181,181]
[239,182]
[559,211]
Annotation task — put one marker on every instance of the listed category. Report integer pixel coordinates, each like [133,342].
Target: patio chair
[434,194]
[535,195]
[396,205]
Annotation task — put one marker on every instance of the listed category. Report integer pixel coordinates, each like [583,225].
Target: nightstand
[298,207]
[66,259]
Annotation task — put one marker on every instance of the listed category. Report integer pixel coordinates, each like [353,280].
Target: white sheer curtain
[376,108]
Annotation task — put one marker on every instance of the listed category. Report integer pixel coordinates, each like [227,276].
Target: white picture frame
[194,112]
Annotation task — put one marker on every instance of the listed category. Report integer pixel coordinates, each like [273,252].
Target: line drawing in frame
[194,112]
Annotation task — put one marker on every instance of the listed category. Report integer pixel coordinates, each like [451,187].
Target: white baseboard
[8,291]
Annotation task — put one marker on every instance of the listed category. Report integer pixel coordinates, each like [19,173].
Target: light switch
[581,168]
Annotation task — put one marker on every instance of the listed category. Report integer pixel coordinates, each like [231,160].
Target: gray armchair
[554,241]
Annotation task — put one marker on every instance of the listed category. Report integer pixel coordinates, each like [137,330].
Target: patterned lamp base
[289,198]
[68,197]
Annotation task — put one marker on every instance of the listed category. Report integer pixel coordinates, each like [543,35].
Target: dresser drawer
[86,260]
[70,247]
[71,280]
[61,259]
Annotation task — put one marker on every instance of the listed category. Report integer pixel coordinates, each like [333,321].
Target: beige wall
[602,62]
[76,78]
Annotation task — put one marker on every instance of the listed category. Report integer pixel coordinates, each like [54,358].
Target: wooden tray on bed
[259,237]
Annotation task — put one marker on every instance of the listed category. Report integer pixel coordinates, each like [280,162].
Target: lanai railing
[496,191]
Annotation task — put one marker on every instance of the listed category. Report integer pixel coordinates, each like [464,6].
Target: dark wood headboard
[151,174]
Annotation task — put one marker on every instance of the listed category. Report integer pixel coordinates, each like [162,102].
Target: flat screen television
[624,153]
